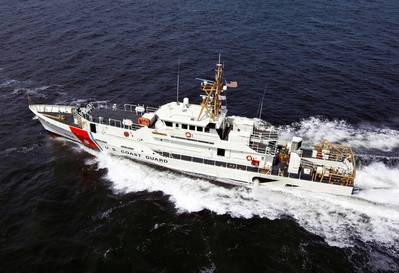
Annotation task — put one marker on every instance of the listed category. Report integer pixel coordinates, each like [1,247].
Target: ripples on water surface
[332,70]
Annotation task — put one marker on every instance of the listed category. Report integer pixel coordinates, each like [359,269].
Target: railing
[111,122]
[129,107]
[126,107]
[52,108]
[336,152]
[269,148]
[264,135]
[151,109]
[329,175]
[93,105]
[334,178]
[98,104]
[264,141]
[115,122]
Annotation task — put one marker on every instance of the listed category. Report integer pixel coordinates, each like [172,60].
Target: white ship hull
[143,145]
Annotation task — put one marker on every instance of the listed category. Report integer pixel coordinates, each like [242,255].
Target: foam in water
[24,88]
[8,82]
[31,91]
[379,183]
[75,101]
[315,129]
[340,220]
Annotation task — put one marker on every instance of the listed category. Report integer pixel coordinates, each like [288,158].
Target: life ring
[188,135]
[126,133]
[249,158]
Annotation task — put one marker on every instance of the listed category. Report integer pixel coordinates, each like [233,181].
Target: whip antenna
[178,80]
[261,104]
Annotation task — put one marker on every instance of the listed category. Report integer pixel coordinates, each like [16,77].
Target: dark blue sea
[331,71]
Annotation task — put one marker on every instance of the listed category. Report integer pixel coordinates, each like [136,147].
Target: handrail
[263,141]
[269,134]
[262,150]
[111,122]
[115,122]
[151,109]
[52,108]
[126,107]
[130,107]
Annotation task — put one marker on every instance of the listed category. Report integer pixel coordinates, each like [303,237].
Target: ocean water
[332,72]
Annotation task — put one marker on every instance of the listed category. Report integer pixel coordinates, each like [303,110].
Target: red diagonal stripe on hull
[83,137]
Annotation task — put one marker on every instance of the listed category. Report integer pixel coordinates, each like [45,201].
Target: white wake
[315,129]
[371,216]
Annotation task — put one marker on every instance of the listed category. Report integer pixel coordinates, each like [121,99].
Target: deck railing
[264,141]
[115,122]
[109,121]
[52,108]
[126,107]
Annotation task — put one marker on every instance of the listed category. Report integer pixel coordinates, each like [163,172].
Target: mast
[211,103]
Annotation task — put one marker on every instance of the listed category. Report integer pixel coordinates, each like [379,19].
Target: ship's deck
[107,113]
[64,117]
[104,113]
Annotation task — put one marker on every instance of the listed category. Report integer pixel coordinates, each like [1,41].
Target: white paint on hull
[140,145]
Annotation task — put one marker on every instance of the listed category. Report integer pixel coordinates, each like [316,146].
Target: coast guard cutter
[200,139]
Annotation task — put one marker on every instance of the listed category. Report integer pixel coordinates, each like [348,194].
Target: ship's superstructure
[201,139]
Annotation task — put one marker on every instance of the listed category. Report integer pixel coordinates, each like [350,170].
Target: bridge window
[199,129]
[184,126]
[169,124]
[192,127]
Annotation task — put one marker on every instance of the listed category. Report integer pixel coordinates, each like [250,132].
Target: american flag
[233,84]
